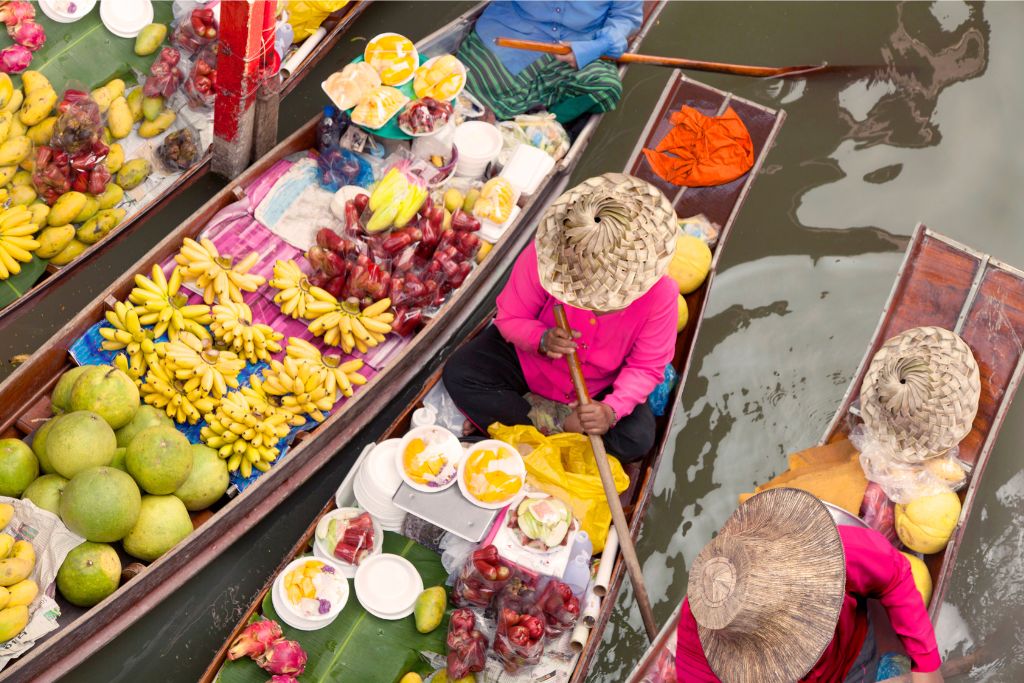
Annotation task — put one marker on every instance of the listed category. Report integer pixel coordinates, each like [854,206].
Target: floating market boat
[26,392]
[14,304]
[945,284]
[720,205]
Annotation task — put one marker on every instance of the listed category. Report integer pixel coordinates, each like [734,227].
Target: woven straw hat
[606,242]
[920,394]
[766,592]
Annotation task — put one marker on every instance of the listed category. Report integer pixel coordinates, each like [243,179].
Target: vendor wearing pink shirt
[780,595]
[602,250]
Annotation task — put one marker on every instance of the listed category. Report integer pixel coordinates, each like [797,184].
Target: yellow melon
[690,264]
[684,313]
[922,578]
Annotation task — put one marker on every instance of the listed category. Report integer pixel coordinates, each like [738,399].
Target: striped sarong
[564,91]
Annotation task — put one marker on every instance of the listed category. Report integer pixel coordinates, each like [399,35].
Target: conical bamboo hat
[766,592]
[604,243]
[920,393]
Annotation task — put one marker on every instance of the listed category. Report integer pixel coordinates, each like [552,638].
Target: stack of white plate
[376,482]
[387,586]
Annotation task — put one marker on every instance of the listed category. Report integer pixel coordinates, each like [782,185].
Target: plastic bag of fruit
[201,84]
[519,640]
[561,608]
[467,645]
[179,150]
[79,122]
[481,577]
[165,74]
[196,28]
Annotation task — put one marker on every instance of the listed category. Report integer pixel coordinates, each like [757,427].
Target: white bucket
[479,144]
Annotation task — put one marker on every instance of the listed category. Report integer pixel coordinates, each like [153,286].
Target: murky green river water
[924,129]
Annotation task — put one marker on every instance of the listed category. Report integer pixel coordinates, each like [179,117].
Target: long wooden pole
[673,62]
[636,575]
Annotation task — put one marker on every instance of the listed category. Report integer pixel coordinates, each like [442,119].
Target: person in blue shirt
[512,82]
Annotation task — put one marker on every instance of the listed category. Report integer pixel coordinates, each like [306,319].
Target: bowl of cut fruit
[309,594]
[429,458]
[492,474]
[347,536]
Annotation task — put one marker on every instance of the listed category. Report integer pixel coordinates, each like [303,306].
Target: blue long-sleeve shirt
[592,28]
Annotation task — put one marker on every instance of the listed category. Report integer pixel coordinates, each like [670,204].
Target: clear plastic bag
[467,645]
[448,414]
[200,86]
[482,576]
[539,130]
[561,608]
[519,640]
[904,482]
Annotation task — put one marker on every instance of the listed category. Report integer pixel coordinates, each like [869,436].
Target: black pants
[486,382]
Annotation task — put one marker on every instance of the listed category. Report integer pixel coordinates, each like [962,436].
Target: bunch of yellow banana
[167,308]
[127,333]
[232,325]
[265,403]
[351,328]
[218,276]
[162,390]
[17,590]
[298,298]
[243,435]
[200,366]
[302,387]
[16,243]
[340,376]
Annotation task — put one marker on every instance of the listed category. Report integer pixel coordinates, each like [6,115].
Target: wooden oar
[673,62]
[618,516]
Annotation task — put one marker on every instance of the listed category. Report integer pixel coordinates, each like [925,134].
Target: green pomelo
[90,572]
[39,445]
[45,492]
[207,481]
[107,392]
[78,441]
[159,459]
[144,418]
[102,504]
[118,461]
[163,523]
[60,399]
[18,467]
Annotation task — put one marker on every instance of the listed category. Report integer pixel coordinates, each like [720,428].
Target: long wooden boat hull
[945,284]
[721,205]
[52,282]
[28,389]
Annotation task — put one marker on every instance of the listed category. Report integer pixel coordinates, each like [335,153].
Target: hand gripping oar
[618,516]
[673,62]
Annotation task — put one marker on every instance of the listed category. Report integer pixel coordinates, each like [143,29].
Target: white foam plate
[379,508]
[321,551]
[125,18]
[387,586]
[519,466]
[380,466]
[287,612]
[49,8]
[450,445]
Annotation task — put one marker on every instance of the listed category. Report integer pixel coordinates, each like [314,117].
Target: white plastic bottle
[577,572]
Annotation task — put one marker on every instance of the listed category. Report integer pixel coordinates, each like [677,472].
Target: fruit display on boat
[243,435]
[166,307]
[496,201]
[441,78]
[393,56]
[16,240]
[233,327]
[26,33]
[341,375]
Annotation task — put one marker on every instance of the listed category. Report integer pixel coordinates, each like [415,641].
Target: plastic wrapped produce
[561,608]
[467,645]
[482,576]
[519,640]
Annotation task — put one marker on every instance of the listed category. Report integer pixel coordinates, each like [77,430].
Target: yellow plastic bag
[564,466]
[305,16]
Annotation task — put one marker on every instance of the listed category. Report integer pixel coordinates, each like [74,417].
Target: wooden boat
[25,394]
[721,205]
[945,284]
[54,277]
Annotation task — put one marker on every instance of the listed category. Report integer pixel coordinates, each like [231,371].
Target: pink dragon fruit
[14,59]
[283,658]
[13,13]
[284,679]
[28,33]
[255,639]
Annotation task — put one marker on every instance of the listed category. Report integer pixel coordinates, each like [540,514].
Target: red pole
[238,68]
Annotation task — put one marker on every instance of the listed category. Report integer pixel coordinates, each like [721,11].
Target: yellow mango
[111,196]
[133,173]
[39,212]
[13,621]
[6,514]
[6,118]
[69,253]
[149,38]
[67,206]
[150,129]
[119,118]
[20,178]
[92,205]
[14,104]
[8,173]
[41,133]
[6,543]
[17,128]
[115,158]
[54,239]
[105,95]
[22,195]
[23,593]
[5,597]
[15,150]
[37,106]
[134,100]
[32,80]
[97,227]
[6,89]
[16,568]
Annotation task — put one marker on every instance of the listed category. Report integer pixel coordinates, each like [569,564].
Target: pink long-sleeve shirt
[874,569]
[626,350]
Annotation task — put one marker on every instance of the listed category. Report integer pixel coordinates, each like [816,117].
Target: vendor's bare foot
[467,428]
[572,423]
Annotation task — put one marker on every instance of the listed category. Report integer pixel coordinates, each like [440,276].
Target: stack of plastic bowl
[376,482]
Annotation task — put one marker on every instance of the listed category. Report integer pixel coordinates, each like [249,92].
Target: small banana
[303,388]
[162,390]
[246,433]
[16,241]
[126,332]
[232,325]
[341,375]
[166,308]
[218,276]
[200,366]
[297,297]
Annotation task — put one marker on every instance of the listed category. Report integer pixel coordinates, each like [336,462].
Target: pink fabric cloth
[626,350]
[874,569]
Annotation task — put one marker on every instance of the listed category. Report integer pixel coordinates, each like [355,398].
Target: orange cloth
[701,151]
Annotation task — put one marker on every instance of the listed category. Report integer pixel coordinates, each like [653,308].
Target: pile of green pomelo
[113,470]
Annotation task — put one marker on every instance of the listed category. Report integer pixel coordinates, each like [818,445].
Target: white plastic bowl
[387,586]
[519,467]
[321,551]
[290,615]
[479,144]
[449,445]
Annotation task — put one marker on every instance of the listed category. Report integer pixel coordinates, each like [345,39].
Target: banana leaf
[358,646]
[88,53]
[16,285]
